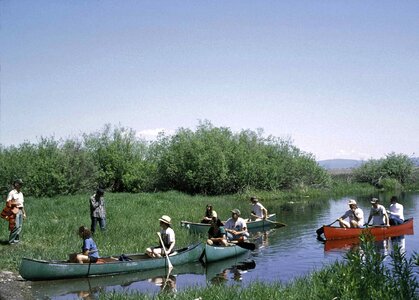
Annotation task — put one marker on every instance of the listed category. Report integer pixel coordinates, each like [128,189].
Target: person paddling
[167,236]
[354,214]
[378,214]
[258,210]
[236,227]
[395,213]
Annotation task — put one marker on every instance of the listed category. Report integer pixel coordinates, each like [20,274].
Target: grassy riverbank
[50,233]
[50,228]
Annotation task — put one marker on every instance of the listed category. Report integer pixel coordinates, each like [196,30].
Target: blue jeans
[14,234]
[395,220]
[233,237]
[102,224]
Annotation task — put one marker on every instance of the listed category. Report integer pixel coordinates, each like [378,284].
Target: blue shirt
[89,244]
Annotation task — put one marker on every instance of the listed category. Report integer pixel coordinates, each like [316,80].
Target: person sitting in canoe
[167,236]
[258,210]
[209,214]
[90,253]
[395,212]
[378,214]
[217,233]
[236,227]
[354,214]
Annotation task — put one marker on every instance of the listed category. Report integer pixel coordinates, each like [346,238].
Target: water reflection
[384,246]
[167,283]
[152,281]
[234,273]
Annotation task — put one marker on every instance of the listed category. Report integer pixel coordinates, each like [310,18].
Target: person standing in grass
[90,253]
[97,210]
[378,214]
[258,210]
[354,214]
[167,236]
[15,196]
[236,227]
[396,213]
[217,233]
[209,214]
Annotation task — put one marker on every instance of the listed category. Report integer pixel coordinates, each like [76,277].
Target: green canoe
[33,269]
[202,228]
[216,253]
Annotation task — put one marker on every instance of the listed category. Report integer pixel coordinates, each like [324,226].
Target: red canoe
[380,232]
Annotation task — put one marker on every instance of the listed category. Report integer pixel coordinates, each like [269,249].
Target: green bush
[210,160]
[397,167]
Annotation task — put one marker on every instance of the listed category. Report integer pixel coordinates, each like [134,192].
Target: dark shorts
[92,259]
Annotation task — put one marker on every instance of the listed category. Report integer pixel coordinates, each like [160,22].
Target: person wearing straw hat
[167,236]
[16,196]
[354,214]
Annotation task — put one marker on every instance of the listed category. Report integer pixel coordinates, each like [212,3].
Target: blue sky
[339,78]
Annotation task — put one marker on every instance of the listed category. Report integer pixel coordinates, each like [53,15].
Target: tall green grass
[50,230]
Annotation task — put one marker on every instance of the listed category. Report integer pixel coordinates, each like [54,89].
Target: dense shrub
[215,161]
[121,159]
[211,160]
[395,166]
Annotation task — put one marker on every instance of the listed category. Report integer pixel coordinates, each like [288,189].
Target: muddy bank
[14,287]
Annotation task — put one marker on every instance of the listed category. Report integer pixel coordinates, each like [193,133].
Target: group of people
[378,214]
[235,228]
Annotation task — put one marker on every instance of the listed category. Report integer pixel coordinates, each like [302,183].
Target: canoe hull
[202,228]
[31,269]
[217,253]
[336,233]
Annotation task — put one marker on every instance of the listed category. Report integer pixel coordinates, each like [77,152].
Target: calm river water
[282,255]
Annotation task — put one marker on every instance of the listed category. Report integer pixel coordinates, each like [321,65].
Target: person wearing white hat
[167,236]
[354,214]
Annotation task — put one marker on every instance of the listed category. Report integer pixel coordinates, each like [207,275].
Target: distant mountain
[340,163]
[330,164]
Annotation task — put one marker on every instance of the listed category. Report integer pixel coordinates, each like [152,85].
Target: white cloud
[151,134]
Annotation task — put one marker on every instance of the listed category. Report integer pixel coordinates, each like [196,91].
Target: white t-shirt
[237,225]
[168,236]
[396,209]
[16,196]
[257,209]
[378,215]
[358,213]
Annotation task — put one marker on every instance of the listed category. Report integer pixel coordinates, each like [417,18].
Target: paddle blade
[320,231]
[247,245]
[279,224]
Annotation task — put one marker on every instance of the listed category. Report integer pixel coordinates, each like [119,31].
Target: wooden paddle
[246,245]
[169,264]
[276,224]
[320,231]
